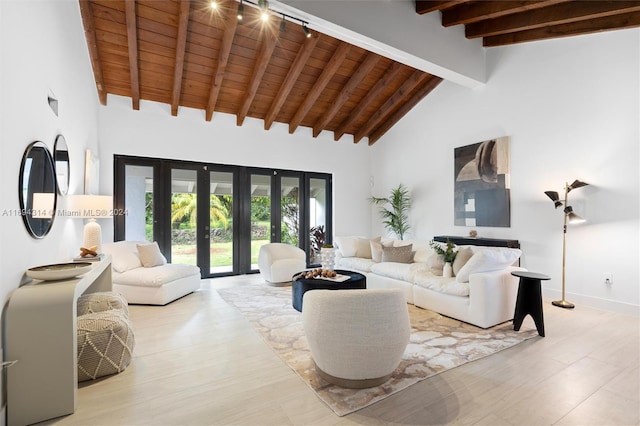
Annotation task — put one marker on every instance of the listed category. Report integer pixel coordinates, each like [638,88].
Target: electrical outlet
[608,278]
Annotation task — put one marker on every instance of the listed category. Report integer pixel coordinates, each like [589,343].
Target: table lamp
[569,217]
[91,207]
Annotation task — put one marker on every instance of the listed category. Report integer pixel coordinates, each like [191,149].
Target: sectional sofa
[482,292]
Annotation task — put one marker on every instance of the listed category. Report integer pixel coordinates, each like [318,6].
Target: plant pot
[447,271]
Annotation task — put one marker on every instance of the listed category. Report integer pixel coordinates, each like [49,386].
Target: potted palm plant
[395,217]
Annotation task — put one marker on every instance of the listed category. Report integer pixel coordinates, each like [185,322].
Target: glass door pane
[184,209]
[260,215]
[139,203]
[221,222]
[317,218]
[290,210]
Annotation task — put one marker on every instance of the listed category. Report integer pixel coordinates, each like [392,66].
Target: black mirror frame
[25,212]
[62,155]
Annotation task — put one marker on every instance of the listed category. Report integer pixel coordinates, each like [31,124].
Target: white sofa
[483,293]
[149,285]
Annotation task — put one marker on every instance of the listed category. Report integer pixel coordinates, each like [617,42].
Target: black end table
[302,285]
[529,299]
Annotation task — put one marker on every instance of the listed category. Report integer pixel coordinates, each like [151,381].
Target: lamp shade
[576,184]
[90,206]
[554,197]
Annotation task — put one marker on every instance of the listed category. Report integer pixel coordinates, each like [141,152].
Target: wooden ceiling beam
[90,34]
[268,46]
[415,80]
[301,59]
[181,46]
[609,23]
[469,12]
[356,78]
[223,57]
[132,42]
[553,15]
[426,6]
[390,74]
[322,81]
[420,94]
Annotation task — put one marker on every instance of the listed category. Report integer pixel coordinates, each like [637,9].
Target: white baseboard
[594,302]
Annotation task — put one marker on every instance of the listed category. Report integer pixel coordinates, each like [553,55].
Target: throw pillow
[363,247]
[463,256]
[486,260]
[150,255]
[347,246]
[376,251]
[435,264]
[402,254]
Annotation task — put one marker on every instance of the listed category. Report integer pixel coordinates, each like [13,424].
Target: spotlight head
[306,31]
[240,11]
[283,25]
[264,15]
[576,184]
[263,4]
[554,197]
[213,4]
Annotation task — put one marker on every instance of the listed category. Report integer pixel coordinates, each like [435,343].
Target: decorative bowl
[59,271]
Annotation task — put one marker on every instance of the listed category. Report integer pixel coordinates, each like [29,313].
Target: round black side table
[529,299]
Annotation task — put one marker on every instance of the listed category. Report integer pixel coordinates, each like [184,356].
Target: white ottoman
[105,344]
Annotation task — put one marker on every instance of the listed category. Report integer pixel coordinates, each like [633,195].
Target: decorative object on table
[88,254]
[482,184]
[328,256]
[569,217]
[91,207]
[396,218]
[473,233]
[59,271]
[448,253]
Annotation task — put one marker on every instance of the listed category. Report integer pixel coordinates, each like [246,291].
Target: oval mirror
[61,160]
[37,192]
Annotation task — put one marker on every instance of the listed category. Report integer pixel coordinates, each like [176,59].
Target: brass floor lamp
[569,217]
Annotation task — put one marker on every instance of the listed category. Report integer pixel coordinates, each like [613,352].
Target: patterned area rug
[437,344]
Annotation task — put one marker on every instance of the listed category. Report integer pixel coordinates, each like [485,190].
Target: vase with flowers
[448,252]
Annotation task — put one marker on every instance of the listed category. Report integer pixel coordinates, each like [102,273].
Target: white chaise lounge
[143,276]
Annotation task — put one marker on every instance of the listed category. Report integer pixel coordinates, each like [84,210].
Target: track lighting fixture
[240,11]
[266,12]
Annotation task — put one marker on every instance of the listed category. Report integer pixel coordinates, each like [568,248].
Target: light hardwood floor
[197,361]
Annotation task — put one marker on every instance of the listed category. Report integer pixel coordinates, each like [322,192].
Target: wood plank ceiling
[184,54]
[508,22]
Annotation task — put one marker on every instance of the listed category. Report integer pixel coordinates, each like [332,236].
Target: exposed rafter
[132,38]
[262,62]
[90,34]
[181,45]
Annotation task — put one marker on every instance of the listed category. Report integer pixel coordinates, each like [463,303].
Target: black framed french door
[217,216]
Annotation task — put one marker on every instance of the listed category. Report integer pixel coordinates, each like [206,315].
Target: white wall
[571,108]
[154,132]
[43,48]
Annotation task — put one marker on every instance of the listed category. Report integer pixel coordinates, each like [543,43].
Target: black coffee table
[302,285]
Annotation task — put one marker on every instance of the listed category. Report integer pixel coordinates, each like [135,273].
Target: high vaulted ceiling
[508,22]
[185,54]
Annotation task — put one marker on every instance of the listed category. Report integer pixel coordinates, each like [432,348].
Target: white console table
[41,335]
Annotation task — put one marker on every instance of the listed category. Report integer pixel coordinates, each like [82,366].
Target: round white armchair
[357,337]
[278,262]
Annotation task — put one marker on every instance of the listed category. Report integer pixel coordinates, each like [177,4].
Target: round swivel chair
[278,262]
[357,337]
